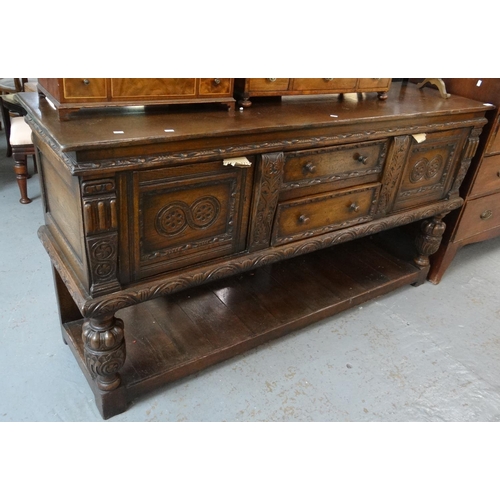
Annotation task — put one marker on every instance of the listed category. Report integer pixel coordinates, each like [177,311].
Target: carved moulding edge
[168,285]
[159,160]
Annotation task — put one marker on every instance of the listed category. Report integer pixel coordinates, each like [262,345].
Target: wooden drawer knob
[309,168]
[362,159]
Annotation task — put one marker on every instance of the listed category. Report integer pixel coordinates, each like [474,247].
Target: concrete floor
[422,354]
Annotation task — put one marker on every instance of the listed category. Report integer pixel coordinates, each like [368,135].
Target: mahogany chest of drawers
[479,218]
[195,235]
[71,94]
[246,88]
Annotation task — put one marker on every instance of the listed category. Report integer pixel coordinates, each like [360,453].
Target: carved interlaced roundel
[174,218]
[425,168]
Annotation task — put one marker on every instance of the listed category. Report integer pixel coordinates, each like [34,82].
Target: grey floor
[430,353]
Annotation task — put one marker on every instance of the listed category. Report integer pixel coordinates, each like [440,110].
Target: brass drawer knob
[362,159]
[303,219]
[86,81]
[328,79]
[217,81]
[309,168]
[354,207]
[271,80]
[487,214]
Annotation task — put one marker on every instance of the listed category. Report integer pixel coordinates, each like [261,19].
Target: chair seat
[20,132]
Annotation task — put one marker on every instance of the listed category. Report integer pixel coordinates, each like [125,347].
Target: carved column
[104,350]
[429,239]
[101,235]
[265,200]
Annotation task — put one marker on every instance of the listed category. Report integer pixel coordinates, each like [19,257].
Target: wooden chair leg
[21,170]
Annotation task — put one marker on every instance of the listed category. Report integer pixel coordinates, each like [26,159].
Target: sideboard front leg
[428,241]
[104,350]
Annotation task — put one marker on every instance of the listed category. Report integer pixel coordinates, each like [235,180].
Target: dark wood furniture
[71,94]
[479,217]
[176,250]
[246,88]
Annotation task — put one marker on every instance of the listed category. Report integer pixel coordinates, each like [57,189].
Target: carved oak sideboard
[181,239]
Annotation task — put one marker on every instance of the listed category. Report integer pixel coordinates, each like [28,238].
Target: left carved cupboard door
[186,215]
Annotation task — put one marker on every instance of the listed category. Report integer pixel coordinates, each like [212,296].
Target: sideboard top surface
[107,128]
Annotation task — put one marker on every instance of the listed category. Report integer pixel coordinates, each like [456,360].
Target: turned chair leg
[21,170]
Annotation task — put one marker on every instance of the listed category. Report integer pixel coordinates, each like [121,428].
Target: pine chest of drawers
[190,237]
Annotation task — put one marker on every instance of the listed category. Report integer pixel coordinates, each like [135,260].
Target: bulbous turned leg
[429,239]
[104,350]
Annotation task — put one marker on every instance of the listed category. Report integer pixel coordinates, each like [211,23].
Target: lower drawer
[318,214]
[327,84]
[479,215]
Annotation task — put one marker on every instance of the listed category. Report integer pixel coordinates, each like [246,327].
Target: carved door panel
[187,215]
[430,168]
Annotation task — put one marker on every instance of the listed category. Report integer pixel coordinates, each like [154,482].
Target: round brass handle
[271,79]
[487,214]
[303,219]
[354,207]
[86,81]
[328,79]
[362,159]
[217,81]
[309,167]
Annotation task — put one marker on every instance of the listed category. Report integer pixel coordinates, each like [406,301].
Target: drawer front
[479,215]
[326,84]
[430,168]
[488,176]
[267,84]
[494,142]
[152,88]
[216,86]
[373,84]
[314,215]
[83,89]
[199,215]
[304,168]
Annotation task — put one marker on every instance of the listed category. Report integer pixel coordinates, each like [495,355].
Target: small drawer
[488,176]
[215,86]
[84,88]
[373,84]
[305,168]
[267,84]
[479,215]
[314,215]
[326,84]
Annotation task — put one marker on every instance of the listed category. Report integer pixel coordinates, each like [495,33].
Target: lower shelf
[171,337]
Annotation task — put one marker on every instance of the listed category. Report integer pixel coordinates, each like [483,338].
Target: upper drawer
[488,176]
[373,84]
[267,84]
[327,84]
[147,88]
[303,168]
[215,86]
[494,142]
[309,216]
[84,88]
